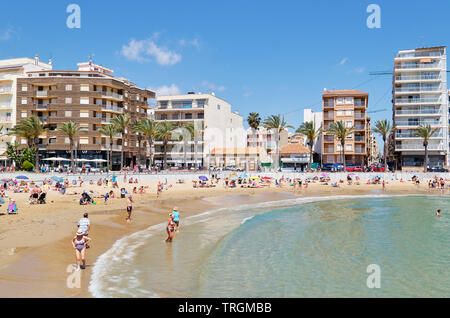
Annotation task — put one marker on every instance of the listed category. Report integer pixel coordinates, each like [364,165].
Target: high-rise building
[317,119]
[90,97]
[216,124]
[10,70]
[350,107]
[419,98]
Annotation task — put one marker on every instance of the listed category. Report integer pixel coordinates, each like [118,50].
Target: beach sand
[35,245]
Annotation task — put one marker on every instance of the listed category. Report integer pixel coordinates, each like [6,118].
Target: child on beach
[129,208]
[170,229]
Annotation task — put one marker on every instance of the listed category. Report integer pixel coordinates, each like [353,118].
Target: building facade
[10,70]
[317,119]
[350,107]
[420,97]
[90,97]
[216,124]
[372,147]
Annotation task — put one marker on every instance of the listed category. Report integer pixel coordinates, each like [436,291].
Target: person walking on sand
[176,218]
[129,208]
[84,224]
[170,228]
[79,244]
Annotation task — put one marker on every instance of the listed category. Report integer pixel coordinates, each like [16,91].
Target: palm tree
[164,133]
[147,127]
[190,127]
[71,130]
[109,131]
[309,130]
[384,128]
[277,123]
[30,128]
[254,120]
[121,123]
[339,130]
[425,132]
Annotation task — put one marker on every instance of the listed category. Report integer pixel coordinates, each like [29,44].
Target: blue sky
[264,56]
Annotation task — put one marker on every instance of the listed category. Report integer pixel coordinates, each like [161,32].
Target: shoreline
[37,267]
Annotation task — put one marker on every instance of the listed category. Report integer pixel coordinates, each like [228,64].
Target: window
[349,147]
[24,87]
[349,100]
[137,144]
[218,107]
[68,113]
[84,88]
[188,116]
[137,97]
[84,127]
[23,141]
[339,113]
[201,116]
[68,87]
[84,100]
[84,113]
[349,124]
[24,114]
[348,113]
[68,100]
[24,101]
[339,147]
[201,103]
[84,140]
[340,101]
[350,136]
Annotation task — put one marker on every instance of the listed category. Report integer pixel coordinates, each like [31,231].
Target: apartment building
[91,97]
[420,97]
[267,141]
[350,107]
[217,125]
[317,119]
[10,70]
[372,147]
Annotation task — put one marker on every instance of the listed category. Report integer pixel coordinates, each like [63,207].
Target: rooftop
[348,92]
[292,149]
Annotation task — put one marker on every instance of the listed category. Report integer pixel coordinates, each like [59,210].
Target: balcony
[419,54]
[112,109]
[360,138]
[412,66]
[418,123]
[328,116]
[6,119]
[419,147]
[110,95]
[359,103]
[433,77]
[360,116]
[5,106]
[328,150]
[359,127]
[41,93]
[418,89]
[436,111]
[360,150]
[417,101]
[5,90]
[411,135]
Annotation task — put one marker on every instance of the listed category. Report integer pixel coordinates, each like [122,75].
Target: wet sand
[35,246]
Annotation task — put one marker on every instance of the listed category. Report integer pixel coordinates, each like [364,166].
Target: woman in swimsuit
[129,207]
[170,229]
[79,243]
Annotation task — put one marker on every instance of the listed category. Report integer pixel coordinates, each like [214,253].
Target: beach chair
[12,208]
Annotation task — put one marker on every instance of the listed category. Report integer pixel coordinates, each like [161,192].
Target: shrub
[28,166]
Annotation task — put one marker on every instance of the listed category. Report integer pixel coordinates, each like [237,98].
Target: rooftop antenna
[51,59]
[91,57]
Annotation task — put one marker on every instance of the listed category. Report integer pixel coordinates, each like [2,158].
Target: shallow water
[318,249]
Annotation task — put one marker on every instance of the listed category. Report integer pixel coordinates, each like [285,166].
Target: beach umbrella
[244,176]
[203,178]
[255,178]
[57,179]
[22,177]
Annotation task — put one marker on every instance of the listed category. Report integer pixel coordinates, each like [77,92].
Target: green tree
[425,132]
[254,120]
[109,131]
[30,128]
[71,130]
[339,130]
[147,127]
[121,123]
[384,128]
[13,152]
[309,130]
[278,124]
[164,133]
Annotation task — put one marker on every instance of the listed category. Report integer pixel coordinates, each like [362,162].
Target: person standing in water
[129,208]
[79,243]
[170,229]
[176,218]
[438,212]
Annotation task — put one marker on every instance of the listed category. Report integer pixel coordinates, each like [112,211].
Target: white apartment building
[10,70]
[218,127]
[420,97]
[317,118]
[266,140]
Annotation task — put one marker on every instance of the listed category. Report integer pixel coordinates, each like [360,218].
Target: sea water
[306,247]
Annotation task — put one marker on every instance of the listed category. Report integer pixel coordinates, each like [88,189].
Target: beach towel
[12,208]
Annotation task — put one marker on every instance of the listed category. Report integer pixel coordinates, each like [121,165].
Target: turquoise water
[319,249]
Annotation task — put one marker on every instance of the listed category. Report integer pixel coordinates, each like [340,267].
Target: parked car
[377,168]
[437,169]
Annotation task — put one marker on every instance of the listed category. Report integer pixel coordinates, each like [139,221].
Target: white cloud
[7,34]
[213,87]
[167,90]
[142,52]
[343,61]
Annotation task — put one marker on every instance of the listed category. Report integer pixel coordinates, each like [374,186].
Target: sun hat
[175,209]
[80,232]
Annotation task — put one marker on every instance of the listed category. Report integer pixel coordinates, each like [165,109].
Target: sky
[270,57]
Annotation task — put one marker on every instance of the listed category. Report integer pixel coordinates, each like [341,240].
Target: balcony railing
[112,108]
[418,89]
[360,115]
[5,90]
[41,93]
[360,127]
[416,100]
[418,65]
[418,123]
[419,146]
[360,138]
[420,54]
[417,77]
[410,135]
[418,112]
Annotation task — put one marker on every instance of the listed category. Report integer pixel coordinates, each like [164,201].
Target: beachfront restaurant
[248,159]
[294,157]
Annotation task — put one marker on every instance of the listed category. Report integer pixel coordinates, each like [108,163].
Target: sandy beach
[35,245]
